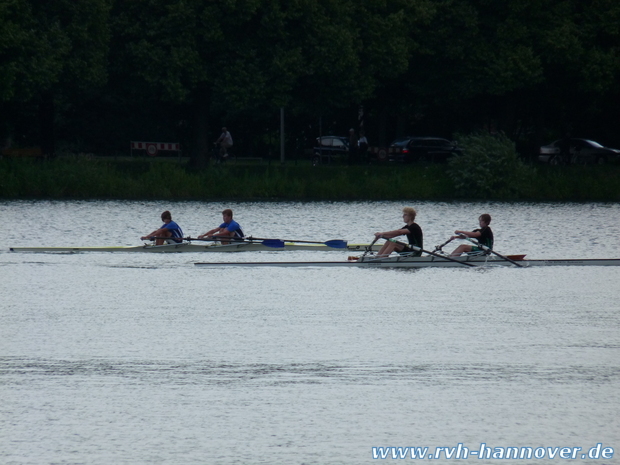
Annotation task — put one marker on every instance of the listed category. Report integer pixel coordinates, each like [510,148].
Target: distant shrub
[489,167]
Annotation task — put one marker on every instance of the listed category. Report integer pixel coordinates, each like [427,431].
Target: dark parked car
[330,148]
[414,149]
[581,151]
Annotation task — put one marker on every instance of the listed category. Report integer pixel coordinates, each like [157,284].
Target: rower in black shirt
[484,236]
[413,232]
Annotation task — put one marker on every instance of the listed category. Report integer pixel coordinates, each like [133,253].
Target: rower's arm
[156,233]
[210,233]
[391,234]
[473,234]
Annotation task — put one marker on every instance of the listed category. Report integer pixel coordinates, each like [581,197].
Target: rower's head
[409,214]
[166,216]
[227,214]
[484,220]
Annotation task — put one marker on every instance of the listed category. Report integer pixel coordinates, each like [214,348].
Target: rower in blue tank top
[168,231]
[227,231]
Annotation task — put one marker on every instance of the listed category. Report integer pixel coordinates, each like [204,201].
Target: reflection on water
[130,359]
[206,373]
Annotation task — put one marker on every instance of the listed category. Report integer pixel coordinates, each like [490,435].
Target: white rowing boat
[250,246]
[427,262]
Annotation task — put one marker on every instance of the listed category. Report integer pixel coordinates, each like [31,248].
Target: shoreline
[147,179]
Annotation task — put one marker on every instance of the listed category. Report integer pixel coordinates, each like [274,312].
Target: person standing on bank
[225,141]
[228,229]
[362,147]
[413,232]
[169,231]
[484,236]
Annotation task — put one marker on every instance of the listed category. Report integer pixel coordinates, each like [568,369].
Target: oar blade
[336,244]
[273,243]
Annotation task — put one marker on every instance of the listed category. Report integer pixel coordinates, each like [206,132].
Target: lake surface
[147,359]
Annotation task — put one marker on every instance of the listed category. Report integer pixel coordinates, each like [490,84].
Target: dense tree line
[91,75]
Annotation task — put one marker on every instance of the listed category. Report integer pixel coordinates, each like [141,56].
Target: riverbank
[87,178]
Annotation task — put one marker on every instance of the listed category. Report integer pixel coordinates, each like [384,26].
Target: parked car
[329,149]
[383,154]
[413,149]
[581,151]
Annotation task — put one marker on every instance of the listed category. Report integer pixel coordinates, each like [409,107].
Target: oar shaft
[433,253]
[440,256]
[334,244]
[369,248]
[300,241]
[272,243]
[217,238]
[439,247]
[488,249]
[168,238]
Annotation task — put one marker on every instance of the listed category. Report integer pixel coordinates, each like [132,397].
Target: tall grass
[84,178]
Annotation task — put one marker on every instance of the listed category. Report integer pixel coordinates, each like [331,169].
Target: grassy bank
[82,178]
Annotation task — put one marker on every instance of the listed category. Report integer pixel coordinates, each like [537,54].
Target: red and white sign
[153,147]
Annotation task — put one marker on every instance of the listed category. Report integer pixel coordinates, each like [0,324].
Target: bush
[489,167]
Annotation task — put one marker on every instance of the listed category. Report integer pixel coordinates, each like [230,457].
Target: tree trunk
[382,126]
[199,153]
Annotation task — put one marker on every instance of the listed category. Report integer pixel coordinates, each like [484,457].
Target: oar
[214,238]
[334,244]
[440,247]
[487,249]
[369,248]
[152,238]
[436,254]
[430,253]
[273,243]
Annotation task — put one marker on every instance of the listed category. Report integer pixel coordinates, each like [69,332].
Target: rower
[169,232]
[228,230]
[483,235]
[413,232]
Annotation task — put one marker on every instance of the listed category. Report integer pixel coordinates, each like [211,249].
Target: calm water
[146,359]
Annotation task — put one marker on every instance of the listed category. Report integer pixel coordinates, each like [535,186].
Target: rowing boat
[426,262]
[247,246]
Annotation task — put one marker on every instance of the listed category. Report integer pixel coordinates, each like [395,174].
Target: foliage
[85,178]
[47,45]
[489,167]
[425,67]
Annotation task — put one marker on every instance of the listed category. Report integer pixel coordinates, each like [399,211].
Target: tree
[51,50]
[244,59]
